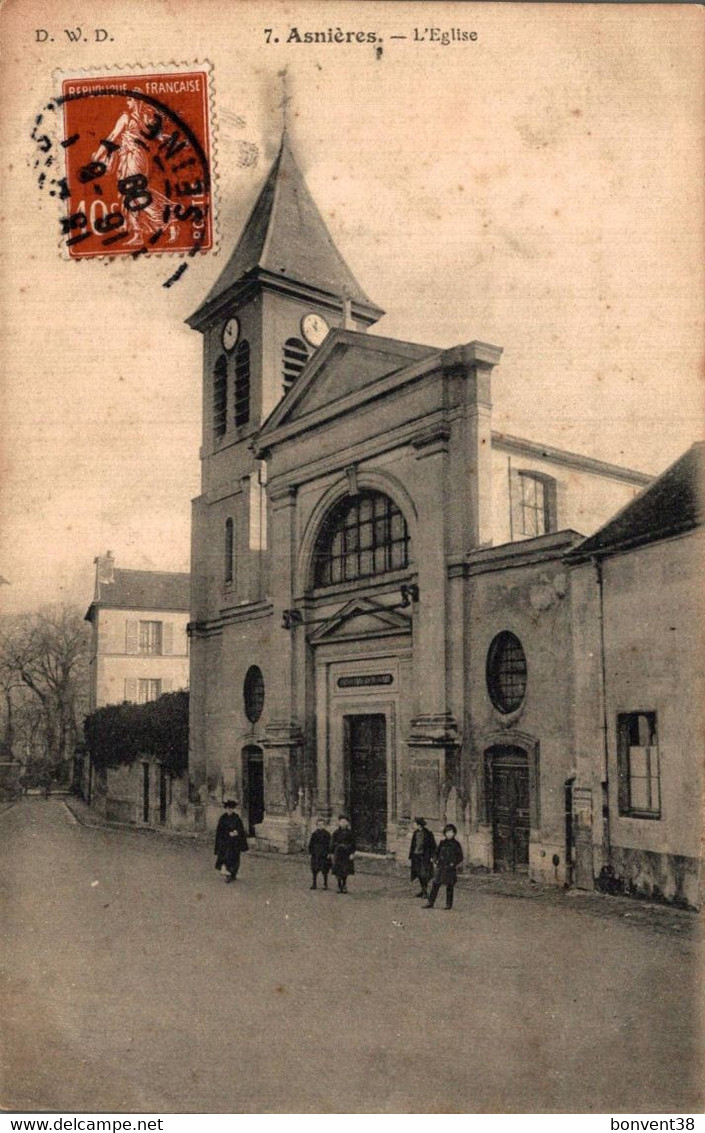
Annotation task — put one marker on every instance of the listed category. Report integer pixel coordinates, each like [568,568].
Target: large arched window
[220,397]
[242,384]
[361,536]
[295,358]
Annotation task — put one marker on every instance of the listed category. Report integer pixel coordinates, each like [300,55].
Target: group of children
[429,862]
[335,853]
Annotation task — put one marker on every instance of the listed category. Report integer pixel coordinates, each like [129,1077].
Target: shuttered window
[167,638]
[295,358]
[229,572]
[132,630]
[242,384]
[220,397]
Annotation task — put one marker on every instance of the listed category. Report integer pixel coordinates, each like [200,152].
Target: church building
[381,608]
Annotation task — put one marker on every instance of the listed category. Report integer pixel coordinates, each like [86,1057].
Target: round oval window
[253,692]
[506,672]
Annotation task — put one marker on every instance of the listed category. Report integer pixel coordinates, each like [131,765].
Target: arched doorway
[508,803]
[253,786]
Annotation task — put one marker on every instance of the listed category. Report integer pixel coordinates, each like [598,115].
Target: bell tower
[284,286]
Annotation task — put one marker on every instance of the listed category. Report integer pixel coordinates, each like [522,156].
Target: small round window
[506,672]
[253,692]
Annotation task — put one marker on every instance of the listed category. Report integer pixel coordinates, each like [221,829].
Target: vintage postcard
[350,558]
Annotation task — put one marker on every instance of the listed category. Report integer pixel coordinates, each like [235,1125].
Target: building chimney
[105,565]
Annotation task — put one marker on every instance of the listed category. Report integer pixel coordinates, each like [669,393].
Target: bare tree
[46,653]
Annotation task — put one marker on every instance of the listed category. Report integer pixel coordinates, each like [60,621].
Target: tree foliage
[121,733]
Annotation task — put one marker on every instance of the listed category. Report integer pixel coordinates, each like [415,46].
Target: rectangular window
[532,503]
[229,551]
[638,762]
[150,640]
[148,690]
[533,506]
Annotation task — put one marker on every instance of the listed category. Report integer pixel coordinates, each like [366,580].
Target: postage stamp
[138,162]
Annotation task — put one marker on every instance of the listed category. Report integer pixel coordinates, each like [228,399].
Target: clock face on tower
[230,335]
[314,328]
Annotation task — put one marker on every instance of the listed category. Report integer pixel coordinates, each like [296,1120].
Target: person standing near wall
[343,848]
[230,841]
[421,854]
[319,849]
[448,858]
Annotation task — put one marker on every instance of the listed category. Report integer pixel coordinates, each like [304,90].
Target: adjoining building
[381,610]
[639,667]
[139,650]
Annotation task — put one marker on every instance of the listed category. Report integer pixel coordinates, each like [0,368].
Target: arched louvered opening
[242,384]
[220,397]
[295,358]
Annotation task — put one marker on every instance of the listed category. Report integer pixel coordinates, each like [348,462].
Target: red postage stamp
[138,164]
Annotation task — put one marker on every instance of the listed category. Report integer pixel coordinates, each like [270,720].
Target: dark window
[253,693]
[506,672]
[220,397]
[229,550]
[295,358]
[638,762]
[361,536]
[242,384]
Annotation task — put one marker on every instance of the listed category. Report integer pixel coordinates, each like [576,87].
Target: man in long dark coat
[230,840]
[448,857]
[421,854]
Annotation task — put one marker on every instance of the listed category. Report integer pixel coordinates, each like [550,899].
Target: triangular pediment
[348,363]
[361,617]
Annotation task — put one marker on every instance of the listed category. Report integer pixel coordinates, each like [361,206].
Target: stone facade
[369,690]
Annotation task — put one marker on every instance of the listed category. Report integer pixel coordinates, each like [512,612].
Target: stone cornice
[394,438]
[431,440]
[248,611]
[508,556]
[522,447]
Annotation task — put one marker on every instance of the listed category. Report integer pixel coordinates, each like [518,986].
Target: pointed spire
[285,236]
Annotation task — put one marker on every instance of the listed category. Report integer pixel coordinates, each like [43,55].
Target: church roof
[349,365]
[286,236]
[670,505]
[143,590]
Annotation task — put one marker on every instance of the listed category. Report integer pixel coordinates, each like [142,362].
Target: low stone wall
[672,878]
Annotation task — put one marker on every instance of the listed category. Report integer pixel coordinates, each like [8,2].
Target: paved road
[138,981]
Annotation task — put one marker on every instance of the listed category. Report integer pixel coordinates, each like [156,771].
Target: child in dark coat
[319,849]
[449,855]
[343,847]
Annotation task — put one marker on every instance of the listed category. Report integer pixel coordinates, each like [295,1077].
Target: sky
[539,188]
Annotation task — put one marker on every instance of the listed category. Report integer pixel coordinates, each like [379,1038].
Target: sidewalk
[659,918]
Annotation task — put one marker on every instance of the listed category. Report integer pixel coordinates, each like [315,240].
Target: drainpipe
[605,777]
